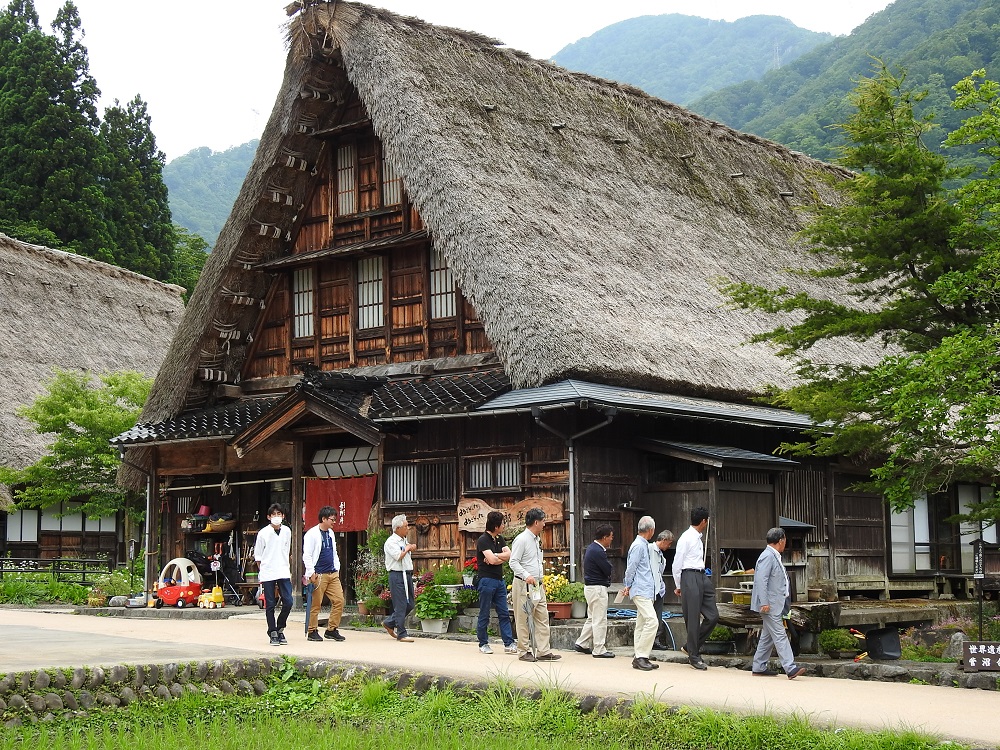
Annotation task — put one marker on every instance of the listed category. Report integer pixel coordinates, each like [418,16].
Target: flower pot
[719,647]
[560,610]
[814,594]
[362,609]
[452,589]
[467,579]
[434,626]
[579,610]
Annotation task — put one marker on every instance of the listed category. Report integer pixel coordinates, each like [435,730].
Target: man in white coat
[772,600]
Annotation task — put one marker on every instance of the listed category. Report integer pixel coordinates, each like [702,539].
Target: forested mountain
[67,178]
[204,184]
[680,58]
[938,42]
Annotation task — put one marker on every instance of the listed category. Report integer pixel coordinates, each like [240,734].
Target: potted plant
[838,643]
[469,570]
[558,601]
[574,593]
[720,641]
[370,577]
[371,605]
[449,577]
[434,608]
[468,598]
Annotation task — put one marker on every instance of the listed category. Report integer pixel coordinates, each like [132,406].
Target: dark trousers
[698,606]
[661,626]
[401,589]
[493,595]
[284,587]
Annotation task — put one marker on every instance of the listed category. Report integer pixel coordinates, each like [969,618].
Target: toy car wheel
[159,604]
[180,604]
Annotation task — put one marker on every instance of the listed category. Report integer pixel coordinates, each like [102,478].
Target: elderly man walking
[772,600]
[526,563]
[694,587]
[641,586]
[399,563]
[657,551]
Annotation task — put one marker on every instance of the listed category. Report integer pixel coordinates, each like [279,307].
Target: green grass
[370,714]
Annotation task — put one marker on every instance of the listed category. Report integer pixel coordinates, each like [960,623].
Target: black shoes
[766,673]
[582,649]
[605,655]
[660,647]
[697,662]
[314,636]
[642,663]
[282,641]
[273,635]
[334,635]
[795,672]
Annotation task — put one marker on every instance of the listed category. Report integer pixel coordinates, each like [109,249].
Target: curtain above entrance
[350,497]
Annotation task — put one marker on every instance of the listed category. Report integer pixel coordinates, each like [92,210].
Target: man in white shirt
[399,563]
[694,587]
[771,598]
[273,547]
[322,564]
[526,563]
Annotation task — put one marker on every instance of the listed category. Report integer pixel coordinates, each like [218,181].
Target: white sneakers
[485,649]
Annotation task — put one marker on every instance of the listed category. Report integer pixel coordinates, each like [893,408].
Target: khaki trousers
[645,626]
[595,629]
[326,585]
[539,618]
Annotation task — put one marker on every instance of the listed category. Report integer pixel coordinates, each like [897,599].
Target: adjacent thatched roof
[586,221]
[59,310]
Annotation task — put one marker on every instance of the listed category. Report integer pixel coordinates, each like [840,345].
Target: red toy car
[179,584]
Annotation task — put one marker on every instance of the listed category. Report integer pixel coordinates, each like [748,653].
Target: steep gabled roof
[587,222]
[60,310]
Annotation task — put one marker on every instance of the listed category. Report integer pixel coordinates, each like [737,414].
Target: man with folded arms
[596,580]
[526,563]
[771,598]
[641,585]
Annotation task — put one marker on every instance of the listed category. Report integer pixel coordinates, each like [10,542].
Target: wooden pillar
[298,506]
[714,559]
[831,524]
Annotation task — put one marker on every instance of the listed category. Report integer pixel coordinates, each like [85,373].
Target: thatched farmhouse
[488,282]
[59,310]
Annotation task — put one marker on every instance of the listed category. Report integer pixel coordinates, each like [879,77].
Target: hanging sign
[472,512]
[981,656]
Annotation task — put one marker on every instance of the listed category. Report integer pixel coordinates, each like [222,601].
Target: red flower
[471,565]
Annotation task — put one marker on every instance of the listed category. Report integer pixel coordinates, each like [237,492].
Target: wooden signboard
[472,512]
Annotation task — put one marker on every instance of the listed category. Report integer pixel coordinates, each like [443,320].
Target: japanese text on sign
[981,656]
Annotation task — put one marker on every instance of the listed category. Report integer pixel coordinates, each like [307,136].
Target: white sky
[210,69]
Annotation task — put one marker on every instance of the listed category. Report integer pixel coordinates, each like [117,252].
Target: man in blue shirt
[642,585]
[596,580]
[322,565]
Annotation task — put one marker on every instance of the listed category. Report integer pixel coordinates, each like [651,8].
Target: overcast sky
[210,69]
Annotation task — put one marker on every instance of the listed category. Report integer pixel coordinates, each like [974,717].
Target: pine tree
[136,195]
[49,145]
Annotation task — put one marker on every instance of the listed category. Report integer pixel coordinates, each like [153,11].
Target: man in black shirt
[491,553]
[596,579]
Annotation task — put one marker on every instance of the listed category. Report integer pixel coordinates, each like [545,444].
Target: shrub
[468,596]
[434,604]
[447,575]
[117,583]
[376,542]
[837,639]
[573,592]
[720,633]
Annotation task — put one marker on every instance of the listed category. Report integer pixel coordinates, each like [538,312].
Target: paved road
[32,640]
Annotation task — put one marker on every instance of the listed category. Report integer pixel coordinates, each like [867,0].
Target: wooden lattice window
[442,287]
[420,482]
[493,473]
[302,302]
[347,179]
[392,184]
[371,308]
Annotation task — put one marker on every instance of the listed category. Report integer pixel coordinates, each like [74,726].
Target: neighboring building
[60,310]
[486,281]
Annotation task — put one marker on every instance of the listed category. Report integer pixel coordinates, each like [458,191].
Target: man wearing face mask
[273,547]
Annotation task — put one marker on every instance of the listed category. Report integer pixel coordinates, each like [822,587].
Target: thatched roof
[59,310]
[587,222]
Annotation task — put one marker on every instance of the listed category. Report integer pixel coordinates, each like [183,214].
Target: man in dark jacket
[596,579]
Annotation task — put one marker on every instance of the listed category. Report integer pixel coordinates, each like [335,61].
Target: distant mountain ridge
[681,58]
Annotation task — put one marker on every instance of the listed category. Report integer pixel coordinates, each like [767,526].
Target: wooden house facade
[65,311]
[457,279]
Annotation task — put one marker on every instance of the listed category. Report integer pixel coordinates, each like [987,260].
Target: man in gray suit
[772,600]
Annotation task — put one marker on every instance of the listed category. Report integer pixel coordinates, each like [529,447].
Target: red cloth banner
[351,497]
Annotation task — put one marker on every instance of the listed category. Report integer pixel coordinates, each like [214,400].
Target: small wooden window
[302,303]
[493,473]
[442,287]
[420,482]
[347,180]
[392,185]
[371,309]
